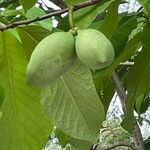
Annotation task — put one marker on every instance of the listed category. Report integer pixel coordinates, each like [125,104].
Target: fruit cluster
[56,53]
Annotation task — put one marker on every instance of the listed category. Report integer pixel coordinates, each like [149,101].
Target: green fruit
[94,49]
[53,56]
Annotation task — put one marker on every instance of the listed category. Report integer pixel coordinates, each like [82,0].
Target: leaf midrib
[29,36]
[74,101]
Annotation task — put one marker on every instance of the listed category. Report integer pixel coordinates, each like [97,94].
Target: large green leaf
[122,32]
[138,84]
[73,105]
[146,36]
[27,4]
[2,95]
[139,81]
[23,124]
[0,114]
[31,36]
[111,19]
[96,25]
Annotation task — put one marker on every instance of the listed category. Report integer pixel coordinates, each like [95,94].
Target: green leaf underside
[23,124]
[73,104]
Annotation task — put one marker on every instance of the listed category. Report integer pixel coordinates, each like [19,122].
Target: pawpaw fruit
[93,49]
[53,56]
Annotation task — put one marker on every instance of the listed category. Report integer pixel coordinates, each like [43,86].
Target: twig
[137,136]
[55,13]
[140,9]
[115,145]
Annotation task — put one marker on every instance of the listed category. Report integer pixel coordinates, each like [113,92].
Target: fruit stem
[72,26]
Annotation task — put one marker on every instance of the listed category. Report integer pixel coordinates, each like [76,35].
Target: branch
[137,136]
[55,13]
[115,145]
[120,90]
